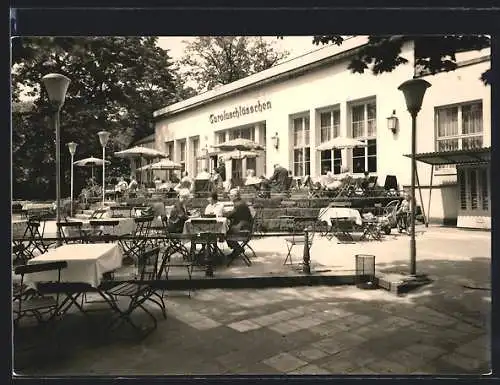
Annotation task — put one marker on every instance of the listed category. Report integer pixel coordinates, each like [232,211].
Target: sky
[295,45]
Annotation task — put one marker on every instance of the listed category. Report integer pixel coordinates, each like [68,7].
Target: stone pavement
[441,328]
[305,330]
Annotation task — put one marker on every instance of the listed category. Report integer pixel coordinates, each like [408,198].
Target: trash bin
[365,271]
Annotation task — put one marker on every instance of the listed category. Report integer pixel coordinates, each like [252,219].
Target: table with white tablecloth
[218,225]
[328,213]
[86,263]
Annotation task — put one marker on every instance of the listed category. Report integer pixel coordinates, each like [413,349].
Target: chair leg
[289,254]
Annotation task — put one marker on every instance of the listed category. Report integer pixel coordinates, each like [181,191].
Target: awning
[470,156]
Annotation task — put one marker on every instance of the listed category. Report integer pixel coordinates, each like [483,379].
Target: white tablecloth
[19,227]
[217,225]
[327,213]
[86,263]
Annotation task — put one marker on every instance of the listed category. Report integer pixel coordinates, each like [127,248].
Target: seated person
[174,178]
[240,218]
[402,214]
[279,179]
[185,183]
[217,181]
[331,182]
[157,182]
[214,207]
[133,186]
[221,169]
[365,181]
[252,180]
[179,213]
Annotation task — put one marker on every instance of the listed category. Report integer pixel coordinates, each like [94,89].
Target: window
[329,163]
[252,164]
[197,155]
[182,151]
[301,149]
[170,150]
[245,133]
[329,125]
[473,184]
[459,127]
[221,137]
[364,128]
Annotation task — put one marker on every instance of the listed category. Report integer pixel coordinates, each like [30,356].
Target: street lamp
[72,150]
[56,86]
[103,138]
[414,91]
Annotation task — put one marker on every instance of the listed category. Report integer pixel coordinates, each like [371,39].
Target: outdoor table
[125,225]
[218,225]
[86,265]
[328,213]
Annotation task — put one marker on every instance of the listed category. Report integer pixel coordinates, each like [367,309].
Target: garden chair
[298,239]
[135,244]
[71,232]
[138,292]
[27,301]
[243,238]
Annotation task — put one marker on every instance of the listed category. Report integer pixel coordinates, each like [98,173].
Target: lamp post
[103,138]
[72,150]
[56,86]
[414,91]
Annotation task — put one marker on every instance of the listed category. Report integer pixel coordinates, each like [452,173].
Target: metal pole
[58,174]
[413,248]
[421,201]
[306,257]
[430,193]
[72,184]
[103,173]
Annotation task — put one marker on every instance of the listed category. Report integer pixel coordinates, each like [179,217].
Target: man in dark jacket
[279,179]
[240,218]
[221,169]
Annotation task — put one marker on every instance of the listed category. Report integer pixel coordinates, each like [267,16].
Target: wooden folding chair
[132,248]
[71,229]
[299,239]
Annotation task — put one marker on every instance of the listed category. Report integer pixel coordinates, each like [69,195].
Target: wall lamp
[392,122]
[276,140]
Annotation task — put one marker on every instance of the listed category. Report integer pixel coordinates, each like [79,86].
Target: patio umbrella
[239,155]
[90,162]
[239,144]
[164,164]
[140,152]
[340,142]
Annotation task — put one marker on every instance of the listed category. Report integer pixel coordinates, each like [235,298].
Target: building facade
[293,107]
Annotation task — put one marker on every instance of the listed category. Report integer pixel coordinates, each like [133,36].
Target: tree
[219,60]
[433,54]
[116,84]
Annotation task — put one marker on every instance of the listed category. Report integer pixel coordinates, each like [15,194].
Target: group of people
[239,217]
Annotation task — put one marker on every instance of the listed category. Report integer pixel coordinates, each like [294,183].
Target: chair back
[142,226]
[148,264]
[71,229]
[108,225]
[372,182]
[98,213]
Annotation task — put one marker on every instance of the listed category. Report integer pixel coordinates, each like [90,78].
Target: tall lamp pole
[103,138]
[56,86]
[414,91]
[72,150]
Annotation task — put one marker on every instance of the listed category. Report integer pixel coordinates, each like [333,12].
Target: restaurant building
[295,106]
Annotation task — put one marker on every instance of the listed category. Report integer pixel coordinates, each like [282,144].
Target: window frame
[304,146]
[460,136]
[370,140]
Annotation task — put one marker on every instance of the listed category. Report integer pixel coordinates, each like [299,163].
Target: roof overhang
[470,156]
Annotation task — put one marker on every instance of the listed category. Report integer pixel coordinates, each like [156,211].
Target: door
[237,171]
[474,188]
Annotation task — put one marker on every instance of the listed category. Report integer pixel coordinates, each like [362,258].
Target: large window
[331,160]
[459,127]
[301,149]
[221,137]
[364,128]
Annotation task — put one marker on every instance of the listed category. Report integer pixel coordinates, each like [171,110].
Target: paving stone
[337,366]
[306,321]
[243,326]
[468,364]
[309,354]
[427,352]
[205,324]
[284,362]
[326,329]
[310,369]
[384,366]
[284,327]
[329,345]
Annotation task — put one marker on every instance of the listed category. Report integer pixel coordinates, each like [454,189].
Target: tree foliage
[219,60]
[116,84]
[433,54]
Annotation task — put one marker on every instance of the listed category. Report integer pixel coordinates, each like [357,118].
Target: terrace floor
[441,328]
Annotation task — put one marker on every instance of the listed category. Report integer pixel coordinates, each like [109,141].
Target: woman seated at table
[179,214]
[214,207]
